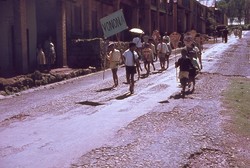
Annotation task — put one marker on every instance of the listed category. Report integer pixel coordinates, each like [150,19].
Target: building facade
[25,24]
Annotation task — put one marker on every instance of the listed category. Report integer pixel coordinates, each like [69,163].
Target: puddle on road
[90,103]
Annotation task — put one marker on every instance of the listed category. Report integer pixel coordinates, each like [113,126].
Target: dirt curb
[16,84]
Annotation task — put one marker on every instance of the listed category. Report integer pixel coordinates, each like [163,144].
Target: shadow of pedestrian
[180,96]
[156,72]
[143,76]
[164,101]
[106,89]
[124,96]
[176,96]
[89,103]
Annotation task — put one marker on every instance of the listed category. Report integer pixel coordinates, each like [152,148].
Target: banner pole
[105,55]
[176,67]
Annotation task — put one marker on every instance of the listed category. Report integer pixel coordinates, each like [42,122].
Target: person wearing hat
[114,57]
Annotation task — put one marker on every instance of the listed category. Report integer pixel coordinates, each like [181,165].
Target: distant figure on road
[225,34]
[156,36]
[152,46]
[138,43]
[240,32]
[198,46]
[131,61]
[147,54]
[166,39]
[215,36]
[114,57]
[162,50]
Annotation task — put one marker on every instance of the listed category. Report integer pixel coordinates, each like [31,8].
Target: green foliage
[237,98]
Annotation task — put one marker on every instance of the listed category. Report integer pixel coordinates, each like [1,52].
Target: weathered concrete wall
[6,40]
[84,53]
[90,52]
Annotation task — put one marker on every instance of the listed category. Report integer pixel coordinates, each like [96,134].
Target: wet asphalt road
[81,122]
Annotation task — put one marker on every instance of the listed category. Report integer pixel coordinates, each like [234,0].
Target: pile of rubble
[16,84]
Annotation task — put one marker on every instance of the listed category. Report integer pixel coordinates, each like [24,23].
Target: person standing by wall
[114,57]
[130,57]
[41,60]
[50,54]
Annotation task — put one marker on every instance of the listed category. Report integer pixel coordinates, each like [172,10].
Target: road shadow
[123,96]
[157,72]
[90,103]
[164,101]
[180,96]
[177,96]
[143,76]
[106,89]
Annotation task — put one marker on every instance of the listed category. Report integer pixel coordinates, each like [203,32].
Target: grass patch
[237,98]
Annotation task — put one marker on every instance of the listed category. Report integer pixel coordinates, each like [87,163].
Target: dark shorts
[130,69]
[192,73]
[167,56]
[162,57]
[147,62]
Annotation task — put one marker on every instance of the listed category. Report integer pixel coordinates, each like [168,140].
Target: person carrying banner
[114,57]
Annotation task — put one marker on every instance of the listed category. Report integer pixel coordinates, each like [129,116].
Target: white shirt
[162,48]
[129,61]
[114,56]
[137,41]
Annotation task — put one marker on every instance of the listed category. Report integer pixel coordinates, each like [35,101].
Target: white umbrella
[136,30]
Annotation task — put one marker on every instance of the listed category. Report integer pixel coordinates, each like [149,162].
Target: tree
[235,9]
[247,12]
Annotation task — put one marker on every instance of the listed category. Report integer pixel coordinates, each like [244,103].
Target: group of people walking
[150,51]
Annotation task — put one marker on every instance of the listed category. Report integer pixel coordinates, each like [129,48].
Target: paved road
[54,125]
